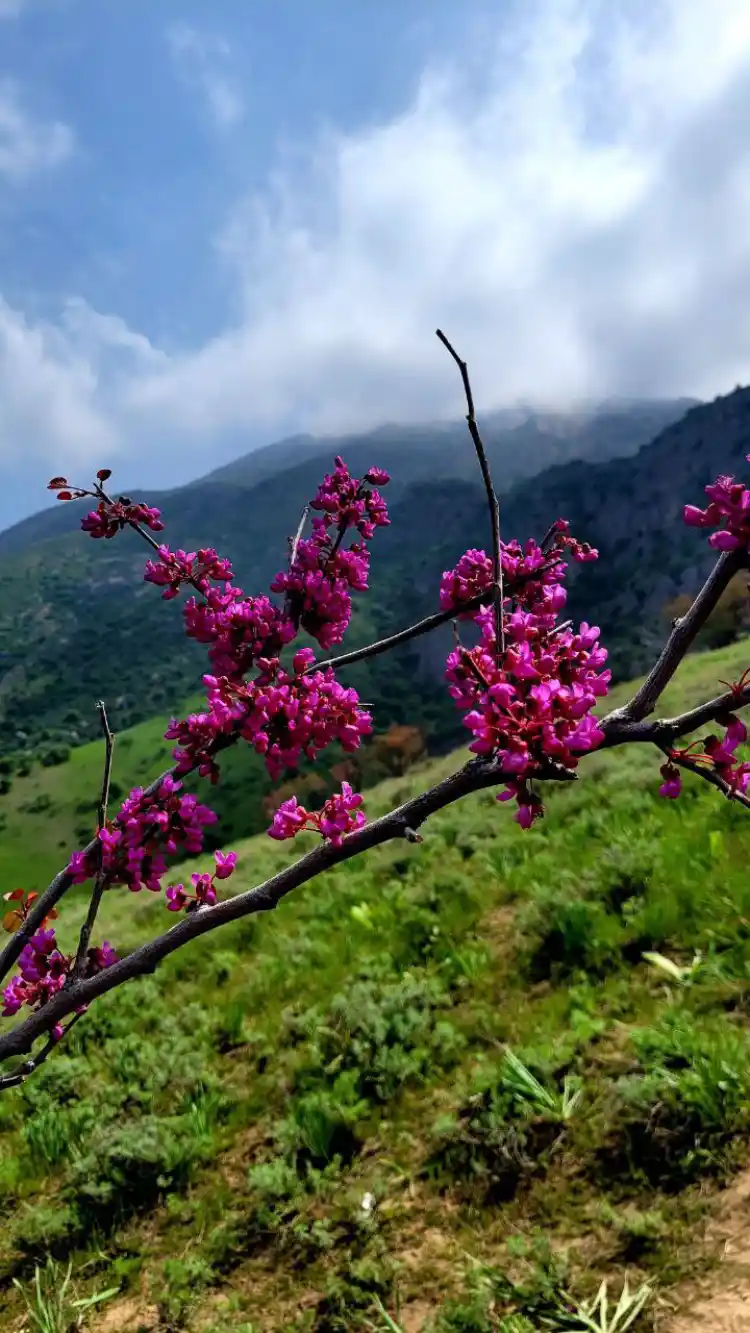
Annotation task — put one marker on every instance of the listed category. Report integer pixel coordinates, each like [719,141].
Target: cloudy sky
[222,222]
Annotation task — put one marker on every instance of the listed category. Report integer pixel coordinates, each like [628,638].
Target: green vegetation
[441,1087]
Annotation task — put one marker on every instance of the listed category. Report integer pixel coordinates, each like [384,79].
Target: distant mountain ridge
[520,441]
[77,623]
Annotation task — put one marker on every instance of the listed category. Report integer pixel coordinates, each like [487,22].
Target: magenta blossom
[728,511]
[672,784]
[339,815]
[204,885]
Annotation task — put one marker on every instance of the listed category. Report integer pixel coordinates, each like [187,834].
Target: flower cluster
[532,564]
[239,630]
[339,815]
[529,703]
[204,885]
[322,575]
[717,755]
[283,714]
[149,827]
[199,569]
[110,516]
[728,510]
[43,970]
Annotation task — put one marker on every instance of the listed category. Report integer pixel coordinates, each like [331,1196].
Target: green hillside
[314,1113]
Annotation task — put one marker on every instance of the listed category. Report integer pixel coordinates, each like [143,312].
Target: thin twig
[298,536]
[492,500]
[393,640]
[101,879]
[423,627]
[19,1075]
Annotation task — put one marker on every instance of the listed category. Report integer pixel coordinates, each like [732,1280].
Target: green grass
[50,810]
[314,1116]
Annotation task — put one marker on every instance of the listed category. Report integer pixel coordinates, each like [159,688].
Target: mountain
[77,623]
[629,508]
[521,442]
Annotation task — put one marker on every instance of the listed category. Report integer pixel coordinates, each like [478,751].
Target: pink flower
[225,864]
[672,784]
[110,517]
[339,815]
[289,820]
[100,958]
[728,510]
[42,972]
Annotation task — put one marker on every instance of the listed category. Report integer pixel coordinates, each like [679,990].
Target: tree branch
[662,732]
[101,880]
[394,640]
[711,776]
[298,536]
[19,1075]
[683,634]
[492,500]
[402,822]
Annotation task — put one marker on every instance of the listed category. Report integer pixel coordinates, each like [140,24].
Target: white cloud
[575,214]
[28,146]
[205,60]
[48,404]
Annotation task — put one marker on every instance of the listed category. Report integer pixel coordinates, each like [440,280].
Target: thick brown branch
[492,500]
[683,635]
[619,730]
[403,822]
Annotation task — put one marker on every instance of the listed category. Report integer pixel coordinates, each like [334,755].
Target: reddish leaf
[14,896]
[64,495]
[56,483]
[104,473]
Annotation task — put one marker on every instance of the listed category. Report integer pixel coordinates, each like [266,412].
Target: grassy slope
[50,810]
[237,1107]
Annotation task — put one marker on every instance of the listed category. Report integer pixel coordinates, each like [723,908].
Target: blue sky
[225,222]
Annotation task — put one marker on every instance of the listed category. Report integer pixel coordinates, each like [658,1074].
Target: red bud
[104,473]
[64,495]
